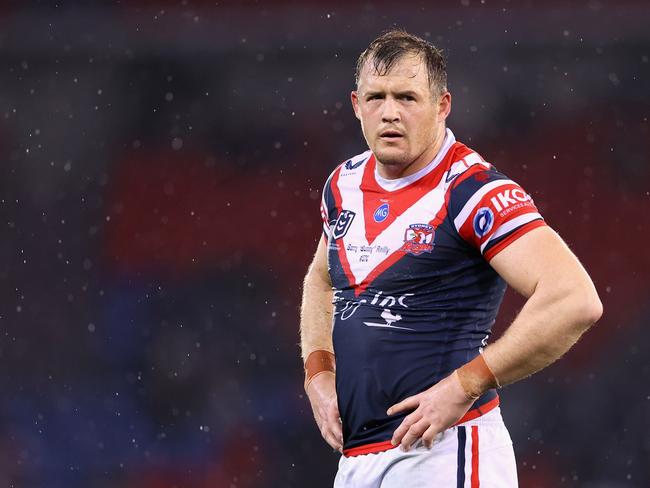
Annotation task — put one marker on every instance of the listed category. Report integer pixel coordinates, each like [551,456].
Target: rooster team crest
[418,239]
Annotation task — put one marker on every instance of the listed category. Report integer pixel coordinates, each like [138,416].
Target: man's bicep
[539,256]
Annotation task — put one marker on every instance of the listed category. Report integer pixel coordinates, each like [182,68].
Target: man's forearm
[548,325]
[316,315]
[562,303]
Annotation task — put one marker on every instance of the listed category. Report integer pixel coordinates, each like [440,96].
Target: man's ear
[444,106]
[354,98]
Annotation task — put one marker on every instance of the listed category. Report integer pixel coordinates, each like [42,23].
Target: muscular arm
[315,335]
[561,305]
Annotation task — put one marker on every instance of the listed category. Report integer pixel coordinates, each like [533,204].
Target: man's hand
[321,392]
[436,409]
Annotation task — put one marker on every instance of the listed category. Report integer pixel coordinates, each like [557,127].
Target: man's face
[402,120]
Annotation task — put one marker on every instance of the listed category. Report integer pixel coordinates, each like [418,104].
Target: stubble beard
[398,161]
[392,157]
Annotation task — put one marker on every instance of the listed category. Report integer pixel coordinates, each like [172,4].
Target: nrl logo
[343,223]
[418,239]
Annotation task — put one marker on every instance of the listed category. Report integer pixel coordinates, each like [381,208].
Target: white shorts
[472,454]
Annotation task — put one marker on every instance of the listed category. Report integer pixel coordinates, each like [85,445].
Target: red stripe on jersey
[479,411]
[471,171]
[475,479]
[459,151]
[387,445]
[369,448]
[379,269]
[504,208]
[434,176]
[323,215]
[442,214]
[456,152]
[398,201]
[396,256]
[372,200]
[501,245]
[338,201]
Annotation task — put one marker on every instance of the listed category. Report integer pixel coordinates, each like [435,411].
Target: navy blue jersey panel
[464,190]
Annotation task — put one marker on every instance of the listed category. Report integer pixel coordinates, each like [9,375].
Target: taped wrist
[476,377]
[318,362]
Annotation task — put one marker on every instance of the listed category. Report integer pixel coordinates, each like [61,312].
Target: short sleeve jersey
[414,294]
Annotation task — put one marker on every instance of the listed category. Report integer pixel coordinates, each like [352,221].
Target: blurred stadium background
[160,169]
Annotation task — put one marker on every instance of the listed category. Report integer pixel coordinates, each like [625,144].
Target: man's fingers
[337,432]
[334,421]
[329,423]
[334,439]
[429,435]
[414,433]
[406,424]
[409,403]
[331,427]
[329,438]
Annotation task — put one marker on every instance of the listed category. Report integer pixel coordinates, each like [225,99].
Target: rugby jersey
[414,295]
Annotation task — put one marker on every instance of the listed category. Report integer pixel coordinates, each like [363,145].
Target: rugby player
[421,236]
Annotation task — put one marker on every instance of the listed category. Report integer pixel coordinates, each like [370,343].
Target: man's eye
[374,97]
[408,98]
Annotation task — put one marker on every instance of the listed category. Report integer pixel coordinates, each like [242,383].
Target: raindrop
[177,143]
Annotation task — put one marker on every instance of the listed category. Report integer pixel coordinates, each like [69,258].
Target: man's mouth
[391,134]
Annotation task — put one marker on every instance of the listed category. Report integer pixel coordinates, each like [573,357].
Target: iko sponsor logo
[343,224]
[510,197]
[381,213]
[483,221]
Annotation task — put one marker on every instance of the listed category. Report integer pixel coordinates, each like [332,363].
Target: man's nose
[390,110]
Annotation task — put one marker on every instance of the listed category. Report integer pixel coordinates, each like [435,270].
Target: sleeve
[324,217]
[490,211]
[327,207]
